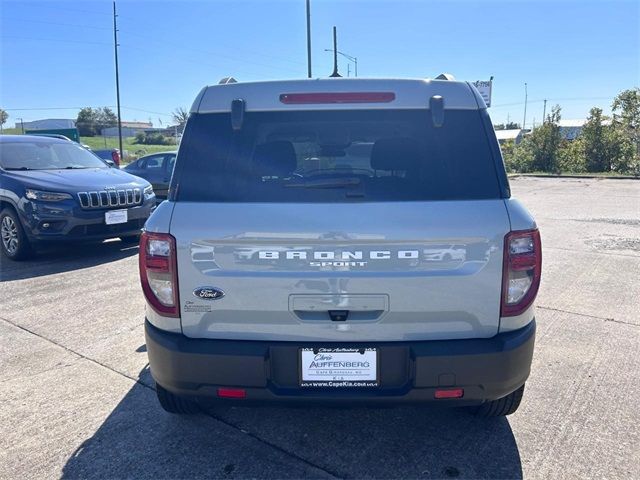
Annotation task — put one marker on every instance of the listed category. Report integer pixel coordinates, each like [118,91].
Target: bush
[571,157]
[154,138]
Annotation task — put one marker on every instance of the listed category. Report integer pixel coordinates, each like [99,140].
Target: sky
[58,56]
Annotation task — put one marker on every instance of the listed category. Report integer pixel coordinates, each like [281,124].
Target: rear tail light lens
[158,272]
[337,97]
[521,271]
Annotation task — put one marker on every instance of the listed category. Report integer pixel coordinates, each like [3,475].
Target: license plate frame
[116,217]
[323,375]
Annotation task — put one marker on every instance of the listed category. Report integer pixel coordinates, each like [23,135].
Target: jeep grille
[110,198]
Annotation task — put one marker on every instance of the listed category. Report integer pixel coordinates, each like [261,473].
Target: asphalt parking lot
[77,397]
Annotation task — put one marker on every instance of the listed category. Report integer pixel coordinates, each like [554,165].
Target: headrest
[398,153]
[276,158]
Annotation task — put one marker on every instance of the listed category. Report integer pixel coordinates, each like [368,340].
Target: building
[571,129]
[129,129]
[514,134]
[48,124]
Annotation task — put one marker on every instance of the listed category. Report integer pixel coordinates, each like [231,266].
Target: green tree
[571,157]
[626,112]
[4,116]
[91,121]
[86,121]
[626,122]
[594,137]
[544,143]
[106,118]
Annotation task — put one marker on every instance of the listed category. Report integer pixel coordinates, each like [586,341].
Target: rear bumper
[410,372]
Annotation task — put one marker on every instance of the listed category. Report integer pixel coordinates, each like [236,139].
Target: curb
[597,177]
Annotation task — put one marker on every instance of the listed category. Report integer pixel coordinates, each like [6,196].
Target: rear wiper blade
[326,183]
[18,168]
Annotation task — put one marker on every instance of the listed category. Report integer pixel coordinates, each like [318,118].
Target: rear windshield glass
[336,156]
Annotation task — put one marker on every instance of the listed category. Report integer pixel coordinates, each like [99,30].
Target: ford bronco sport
[340,241]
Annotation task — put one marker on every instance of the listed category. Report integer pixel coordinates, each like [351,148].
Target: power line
[183,46]
[135,109]
[75,10]
[29,20]
[568,99]
[84,42]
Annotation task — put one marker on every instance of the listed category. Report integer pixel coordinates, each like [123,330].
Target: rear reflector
[449,393]
[232,393]
[337,97]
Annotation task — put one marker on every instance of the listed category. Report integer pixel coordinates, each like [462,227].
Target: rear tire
[175,404]
[13,241]
[502,406]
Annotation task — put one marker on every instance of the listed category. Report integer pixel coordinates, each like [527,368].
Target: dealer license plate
[115,216]
[338,367]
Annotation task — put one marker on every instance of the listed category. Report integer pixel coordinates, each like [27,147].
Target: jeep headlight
[148,192]
[46,196]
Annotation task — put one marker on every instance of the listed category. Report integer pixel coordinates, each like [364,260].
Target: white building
[514,134]
[47,124]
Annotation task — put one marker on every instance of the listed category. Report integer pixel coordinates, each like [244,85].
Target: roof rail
[226,80]
[445,76]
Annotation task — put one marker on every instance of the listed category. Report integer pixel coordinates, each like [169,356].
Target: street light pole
[348,57]
[524,121]
[335,54]
[308,39]
[115,46]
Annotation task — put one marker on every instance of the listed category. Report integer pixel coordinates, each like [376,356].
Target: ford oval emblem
[208,293]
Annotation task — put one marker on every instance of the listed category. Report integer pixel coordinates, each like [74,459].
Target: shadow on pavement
[139,440]
[64,258]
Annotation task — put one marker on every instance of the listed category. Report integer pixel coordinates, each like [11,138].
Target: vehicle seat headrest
[277,158]
[397,153]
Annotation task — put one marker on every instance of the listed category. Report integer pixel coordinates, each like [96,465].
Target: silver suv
[340,241]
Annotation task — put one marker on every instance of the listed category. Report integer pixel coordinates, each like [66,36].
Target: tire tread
[502,406]
[175,404]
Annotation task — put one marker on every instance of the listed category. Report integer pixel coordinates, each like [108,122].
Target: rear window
[336,156]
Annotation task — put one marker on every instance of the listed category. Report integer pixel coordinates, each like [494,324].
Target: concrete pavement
[78,402]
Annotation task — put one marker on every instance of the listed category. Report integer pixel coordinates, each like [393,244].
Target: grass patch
[133,149]
[12,131]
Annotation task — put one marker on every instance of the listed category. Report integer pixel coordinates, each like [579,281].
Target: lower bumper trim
[410,372]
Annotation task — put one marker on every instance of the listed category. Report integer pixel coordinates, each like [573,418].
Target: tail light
[159,273]
[521,271]
[115,156]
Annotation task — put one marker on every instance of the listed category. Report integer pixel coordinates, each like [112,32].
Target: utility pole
[524,121]
[544,112]
[335,54]
[22,125]
[348,57]
[115,46]
[308,39]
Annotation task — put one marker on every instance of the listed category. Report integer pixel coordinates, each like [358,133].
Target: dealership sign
[484,87]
